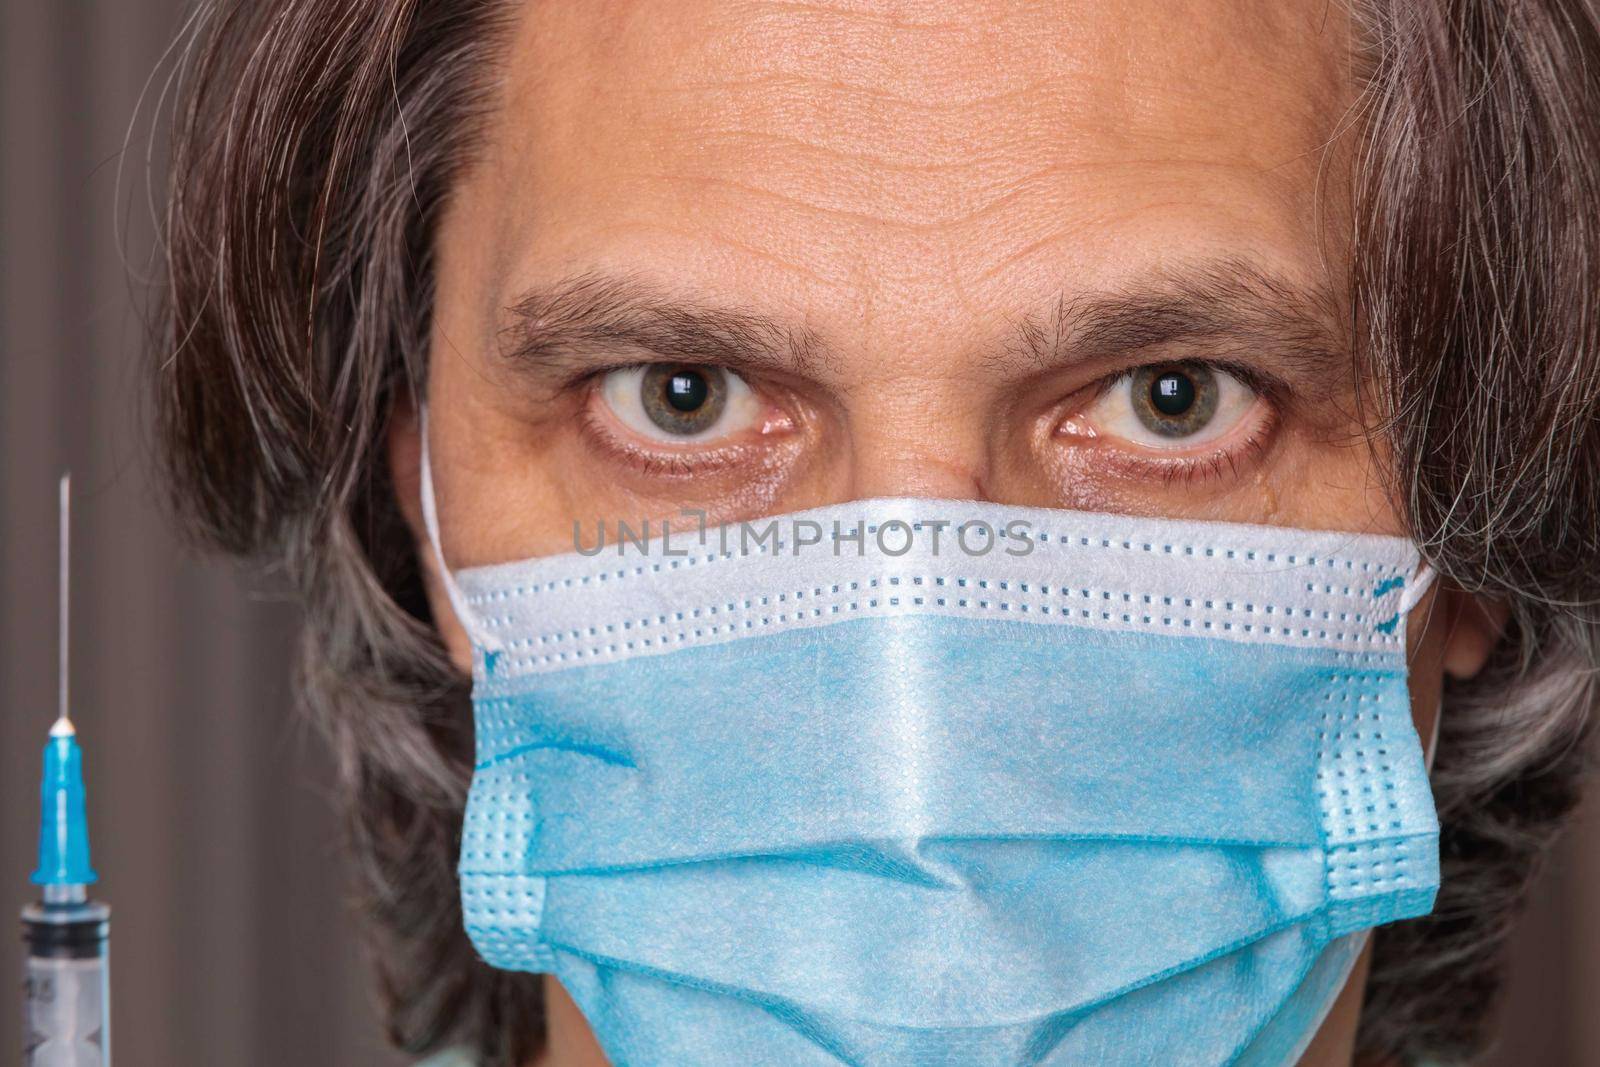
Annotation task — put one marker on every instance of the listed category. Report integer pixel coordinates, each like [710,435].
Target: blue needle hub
[63,827]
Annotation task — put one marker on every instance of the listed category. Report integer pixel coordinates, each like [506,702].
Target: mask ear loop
[1433,740]
[430,519]
[1410,597]
[1420,583]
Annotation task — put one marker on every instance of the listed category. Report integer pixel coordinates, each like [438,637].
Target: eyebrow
[585,320]
[1219,309]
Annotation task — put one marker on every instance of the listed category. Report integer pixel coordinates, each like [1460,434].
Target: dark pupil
[684,399]
[1172,393]
[687,390]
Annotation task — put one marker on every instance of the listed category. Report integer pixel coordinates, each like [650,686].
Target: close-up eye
[680,402]
[1171,405]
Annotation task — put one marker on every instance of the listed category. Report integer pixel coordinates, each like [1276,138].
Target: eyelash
[655,462]
[1222,462]
[1187,470]
[1265,386]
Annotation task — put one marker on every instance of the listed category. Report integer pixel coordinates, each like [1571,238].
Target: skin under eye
[680,403]
[1171,406]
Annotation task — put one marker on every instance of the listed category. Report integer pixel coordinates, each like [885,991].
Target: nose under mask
[1112,791]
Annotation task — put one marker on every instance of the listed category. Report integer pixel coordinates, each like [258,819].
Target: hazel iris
[1174,399]
[683,399]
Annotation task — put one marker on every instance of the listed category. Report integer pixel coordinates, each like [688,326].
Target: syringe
[66,991]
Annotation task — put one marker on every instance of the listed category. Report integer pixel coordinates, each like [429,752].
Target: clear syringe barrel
[66,995]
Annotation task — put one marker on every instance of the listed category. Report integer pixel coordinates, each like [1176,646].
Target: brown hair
[315,143]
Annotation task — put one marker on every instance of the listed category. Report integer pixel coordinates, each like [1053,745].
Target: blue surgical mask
[850,789]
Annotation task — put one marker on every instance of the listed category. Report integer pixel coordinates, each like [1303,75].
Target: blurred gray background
[216,843]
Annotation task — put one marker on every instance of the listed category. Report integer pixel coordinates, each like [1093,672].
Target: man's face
[749,258]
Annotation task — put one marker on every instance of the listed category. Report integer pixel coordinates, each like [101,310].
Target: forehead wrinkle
[880,50]
[919,96]
[854,191]
[863,156]
[747,253]
[873,46]
[1019,132]
[782,82]
[1244,219]
[1030,145]
[1093,58]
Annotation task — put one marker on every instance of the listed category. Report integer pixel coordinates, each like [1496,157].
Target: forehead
[906,165]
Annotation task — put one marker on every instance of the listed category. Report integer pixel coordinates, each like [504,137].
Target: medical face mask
[850,787]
